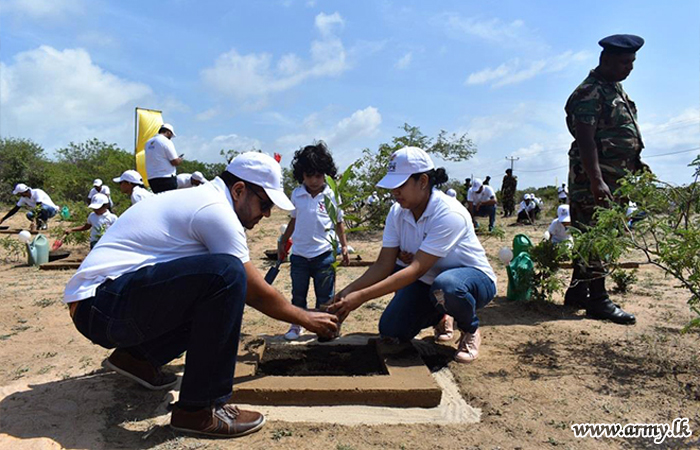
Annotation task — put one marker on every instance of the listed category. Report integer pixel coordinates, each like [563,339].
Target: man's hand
[343,305]
[323,324]
[346,257]
[406,257]
[601,192]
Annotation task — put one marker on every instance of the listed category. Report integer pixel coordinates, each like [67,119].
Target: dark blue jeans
[192,304]
[319,268]
[458,292]
[45,214]
[486,211]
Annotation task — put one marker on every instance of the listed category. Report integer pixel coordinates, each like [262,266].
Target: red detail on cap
[278,157]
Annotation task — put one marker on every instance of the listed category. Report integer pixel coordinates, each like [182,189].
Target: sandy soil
[542,369]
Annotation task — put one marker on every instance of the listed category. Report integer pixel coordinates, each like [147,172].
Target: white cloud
[361,124]
[253,77]
[514,34]
[404,62]
[64,95]
[680,130]
[327,22]
[43,9]
[516,71]
[207,115]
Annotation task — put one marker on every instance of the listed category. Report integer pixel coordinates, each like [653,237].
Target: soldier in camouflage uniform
[607,141]
[510,184]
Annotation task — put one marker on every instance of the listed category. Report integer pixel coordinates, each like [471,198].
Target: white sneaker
[293,333]
[468,347]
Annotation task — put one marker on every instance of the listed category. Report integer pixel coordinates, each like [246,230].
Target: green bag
[521,243]
[520,270]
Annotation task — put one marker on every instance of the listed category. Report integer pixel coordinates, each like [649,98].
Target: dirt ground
[542,368]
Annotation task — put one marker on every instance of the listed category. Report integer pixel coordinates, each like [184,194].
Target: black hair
[313,159]
[436,177]
[229,178]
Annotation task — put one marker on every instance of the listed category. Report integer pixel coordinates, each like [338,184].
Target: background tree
[21,161]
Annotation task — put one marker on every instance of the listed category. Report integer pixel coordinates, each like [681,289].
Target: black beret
[621,43]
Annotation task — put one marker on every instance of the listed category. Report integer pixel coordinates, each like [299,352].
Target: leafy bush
[668,236]
[547,256]
[21,161]
[623,279]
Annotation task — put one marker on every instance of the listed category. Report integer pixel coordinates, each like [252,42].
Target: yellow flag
[148,122]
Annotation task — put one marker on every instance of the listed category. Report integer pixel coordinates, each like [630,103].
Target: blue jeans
[458,292]
[485,211]
[192,304]
[45,214]
[319,268]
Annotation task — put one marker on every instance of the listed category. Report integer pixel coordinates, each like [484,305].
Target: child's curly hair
[313,159]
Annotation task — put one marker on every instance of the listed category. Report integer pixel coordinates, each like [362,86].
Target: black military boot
[576,296]
[600,306]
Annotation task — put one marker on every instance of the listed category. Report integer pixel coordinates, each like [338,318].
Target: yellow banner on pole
[148,122]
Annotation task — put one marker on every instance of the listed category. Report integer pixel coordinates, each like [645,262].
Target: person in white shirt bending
[98,221]
[131,184]
[430,259]
[41,206]
[484,203]
[187,180]
[526,210]
[311,230]
[162,159]
[558,229]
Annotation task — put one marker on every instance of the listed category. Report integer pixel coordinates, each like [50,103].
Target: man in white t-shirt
[187,180]
[98,221]
[526,210]
[558,229]
[41,206]
[173,274]
[161,160]
[373,199]
[562,193]
[131,184]
[483,203]
[99,188]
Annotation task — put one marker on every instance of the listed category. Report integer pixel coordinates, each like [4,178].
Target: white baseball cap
[131,176]
[527,197]
[563,213]
[451,192]
[262,170]
[199,177]
[476,183]
[98,201]
[97,182]
[402,164]
[168,127]
[19,188]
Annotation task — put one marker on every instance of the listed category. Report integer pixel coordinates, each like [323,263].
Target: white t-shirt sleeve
[391,238]
[211,227]
[444,235]
[293,199]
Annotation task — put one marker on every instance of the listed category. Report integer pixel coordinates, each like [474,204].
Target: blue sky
[276,75]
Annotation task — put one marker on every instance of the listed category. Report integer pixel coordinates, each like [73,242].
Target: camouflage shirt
[606,106]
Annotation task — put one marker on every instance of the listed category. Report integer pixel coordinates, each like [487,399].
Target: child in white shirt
[98,221]
[558,229]
[311,229]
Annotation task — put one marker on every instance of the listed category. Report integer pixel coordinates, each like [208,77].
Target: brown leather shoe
[219,421]
[141,371]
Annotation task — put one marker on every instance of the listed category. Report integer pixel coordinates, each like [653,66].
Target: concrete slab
[407,382]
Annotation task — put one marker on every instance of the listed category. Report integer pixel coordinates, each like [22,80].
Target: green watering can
[38,251]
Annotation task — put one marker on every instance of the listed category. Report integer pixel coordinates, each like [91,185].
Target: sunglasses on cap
[265,205]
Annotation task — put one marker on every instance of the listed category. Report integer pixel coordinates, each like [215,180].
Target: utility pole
[512,159]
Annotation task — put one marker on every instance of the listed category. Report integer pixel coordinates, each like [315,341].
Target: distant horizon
[277,75]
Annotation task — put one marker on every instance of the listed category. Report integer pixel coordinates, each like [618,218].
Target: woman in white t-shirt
[430,257]
[97,221]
